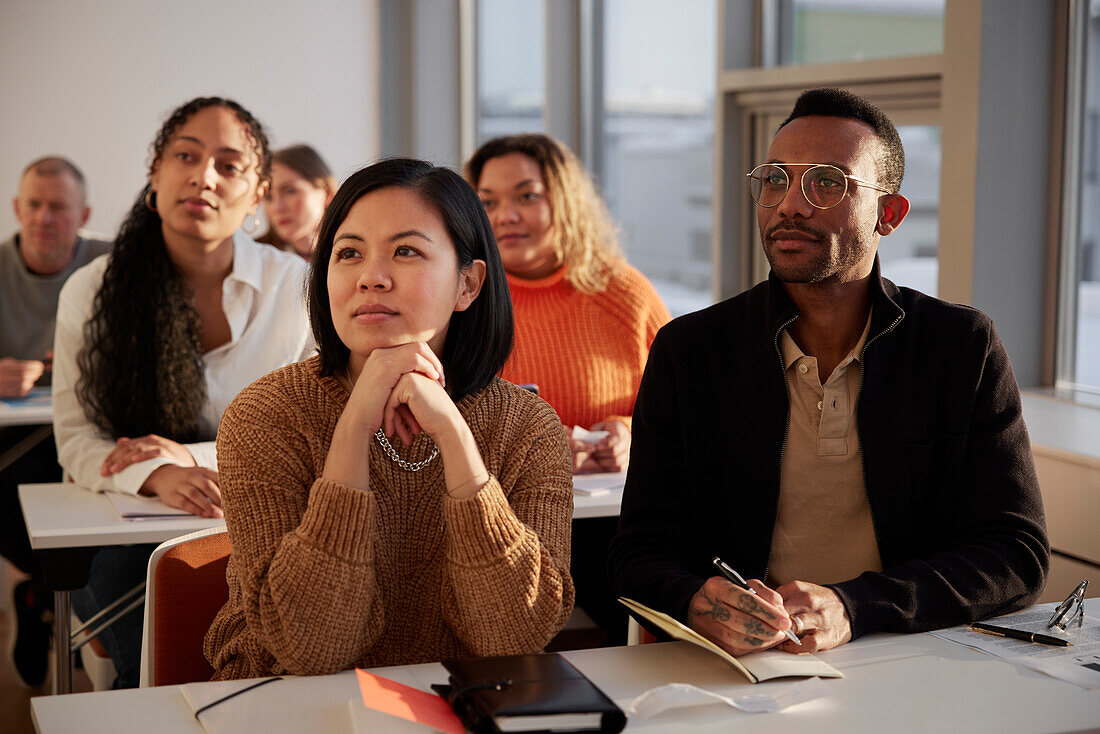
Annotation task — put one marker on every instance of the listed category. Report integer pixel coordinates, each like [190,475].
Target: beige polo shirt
[823,532]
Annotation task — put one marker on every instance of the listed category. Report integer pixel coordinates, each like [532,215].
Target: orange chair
[186,588]
[636,634]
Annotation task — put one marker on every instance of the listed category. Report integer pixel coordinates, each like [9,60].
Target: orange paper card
[397,699]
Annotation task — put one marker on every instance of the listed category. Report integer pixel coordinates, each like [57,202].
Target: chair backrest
[636,634]
[185,589]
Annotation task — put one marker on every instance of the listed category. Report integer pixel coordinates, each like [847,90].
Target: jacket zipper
[859,432]
[786,427]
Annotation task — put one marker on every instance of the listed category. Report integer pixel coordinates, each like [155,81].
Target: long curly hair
[141,367]
[585,237]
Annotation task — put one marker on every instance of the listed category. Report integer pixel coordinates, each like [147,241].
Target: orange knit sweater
[586,353]
[325,577]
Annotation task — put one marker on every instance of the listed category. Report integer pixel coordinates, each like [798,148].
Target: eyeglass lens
[823,186]
[1072,609]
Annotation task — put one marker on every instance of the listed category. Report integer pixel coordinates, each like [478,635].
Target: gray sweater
[28,301]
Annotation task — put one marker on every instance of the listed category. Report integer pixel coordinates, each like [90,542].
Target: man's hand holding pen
[748,620]
[737,620]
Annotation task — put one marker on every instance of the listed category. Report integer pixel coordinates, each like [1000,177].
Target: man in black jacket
[856,448]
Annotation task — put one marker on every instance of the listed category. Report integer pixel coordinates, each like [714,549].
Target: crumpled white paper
[586,436]
[680,695]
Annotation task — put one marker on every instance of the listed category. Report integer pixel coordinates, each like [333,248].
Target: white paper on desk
[306,704]
[596,485]
[586,436]
[137,507]
[1078,664]
[682,695]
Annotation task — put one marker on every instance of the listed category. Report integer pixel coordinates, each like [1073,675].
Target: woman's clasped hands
[401,390]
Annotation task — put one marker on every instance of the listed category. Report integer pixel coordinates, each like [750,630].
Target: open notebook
[138,507]
[759,666]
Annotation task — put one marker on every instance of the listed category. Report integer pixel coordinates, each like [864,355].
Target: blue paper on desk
[38,397]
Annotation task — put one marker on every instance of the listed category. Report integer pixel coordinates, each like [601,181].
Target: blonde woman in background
[301,187]
[584,319]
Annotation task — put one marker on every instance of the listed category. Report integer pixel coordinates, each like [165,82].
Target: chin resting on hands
[382,370]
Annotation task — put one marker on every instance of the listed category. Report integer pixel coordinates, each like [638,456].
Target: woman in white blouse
[154,340]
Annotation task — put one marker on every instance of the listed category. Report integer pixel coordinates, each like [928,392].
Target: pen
[736,579]
[991,629]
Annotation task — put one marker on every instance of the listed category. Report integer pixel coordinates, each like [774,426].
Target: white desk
[33,410]
[66,525]
[36,409]
[601,505]
[893,683]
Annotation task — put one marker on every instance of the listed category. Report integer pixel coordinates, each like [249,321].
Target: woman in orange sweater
[584,317]
[584,320]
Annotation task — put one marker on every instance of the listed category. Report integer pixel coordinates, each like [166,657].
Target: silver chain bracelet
[394,456]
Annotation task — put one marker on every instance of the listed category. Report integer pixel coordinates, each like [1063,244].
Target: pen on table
[991,629]
[736,579]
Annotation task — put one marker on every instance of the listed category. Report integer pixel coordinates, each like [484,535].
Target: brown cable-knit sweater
[325,577]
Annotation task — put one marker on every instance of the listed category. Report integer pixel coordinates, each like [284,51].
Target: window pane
[659,87]
[828,31]
[908,256]
[1087,362]
[511,67]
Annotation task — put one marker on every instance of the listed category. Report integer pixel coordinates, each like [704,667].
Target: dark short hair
[479,339]
[54,165]
[832,102]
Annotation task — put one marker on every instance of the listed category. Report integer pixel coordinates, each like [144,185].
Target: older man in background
[34,263]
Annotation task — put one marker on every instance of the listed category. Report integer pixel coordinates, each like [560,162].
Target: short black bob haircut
[479,339]
[831,102]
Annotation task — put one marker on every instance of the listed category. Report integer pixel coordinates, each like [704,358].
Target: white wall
[94,81]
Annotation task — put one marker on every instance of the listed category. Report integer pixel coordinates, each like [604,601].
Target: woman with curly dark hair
[155,340]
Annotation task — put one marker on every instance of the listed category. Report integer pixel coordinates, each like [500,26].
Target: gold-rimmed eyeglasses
[1071,610]
[823,185]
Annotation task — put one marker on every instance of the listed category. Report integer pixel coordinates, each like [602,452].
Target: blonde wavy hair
[584,235]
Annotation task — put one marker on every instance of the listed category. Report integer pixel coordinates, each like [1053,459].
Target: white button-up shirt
[264,302]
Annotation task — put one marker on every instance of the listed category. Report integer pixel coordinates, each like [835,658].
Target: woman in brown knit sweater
[391,500]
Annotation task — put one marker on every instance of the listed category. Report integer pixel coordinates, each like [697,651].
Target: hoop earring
[250,228]
[151,200]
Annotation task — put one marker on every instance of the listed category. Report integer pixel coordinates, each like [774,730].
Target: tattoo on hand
[749,605]
[756,627]
[716,611]
[754,642]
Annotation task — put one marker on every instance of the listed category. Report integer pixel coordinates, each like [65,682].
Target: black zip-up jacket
[947,463]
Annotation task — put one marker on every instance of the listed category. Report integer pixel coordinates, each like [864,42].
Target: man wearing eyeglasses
[856,448]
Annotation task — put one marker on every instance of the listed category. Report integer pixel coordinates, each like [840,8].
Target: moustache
[792,227]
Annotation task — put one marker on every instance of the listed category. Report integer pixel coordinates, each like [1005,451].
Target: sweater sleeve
[302,546]
[507,550]
[993,551]
[651,314]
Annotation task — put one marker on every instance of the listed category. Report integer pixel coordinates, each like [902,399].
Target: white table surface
[64,515]
[603,505]
[893,683]
[21,412]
